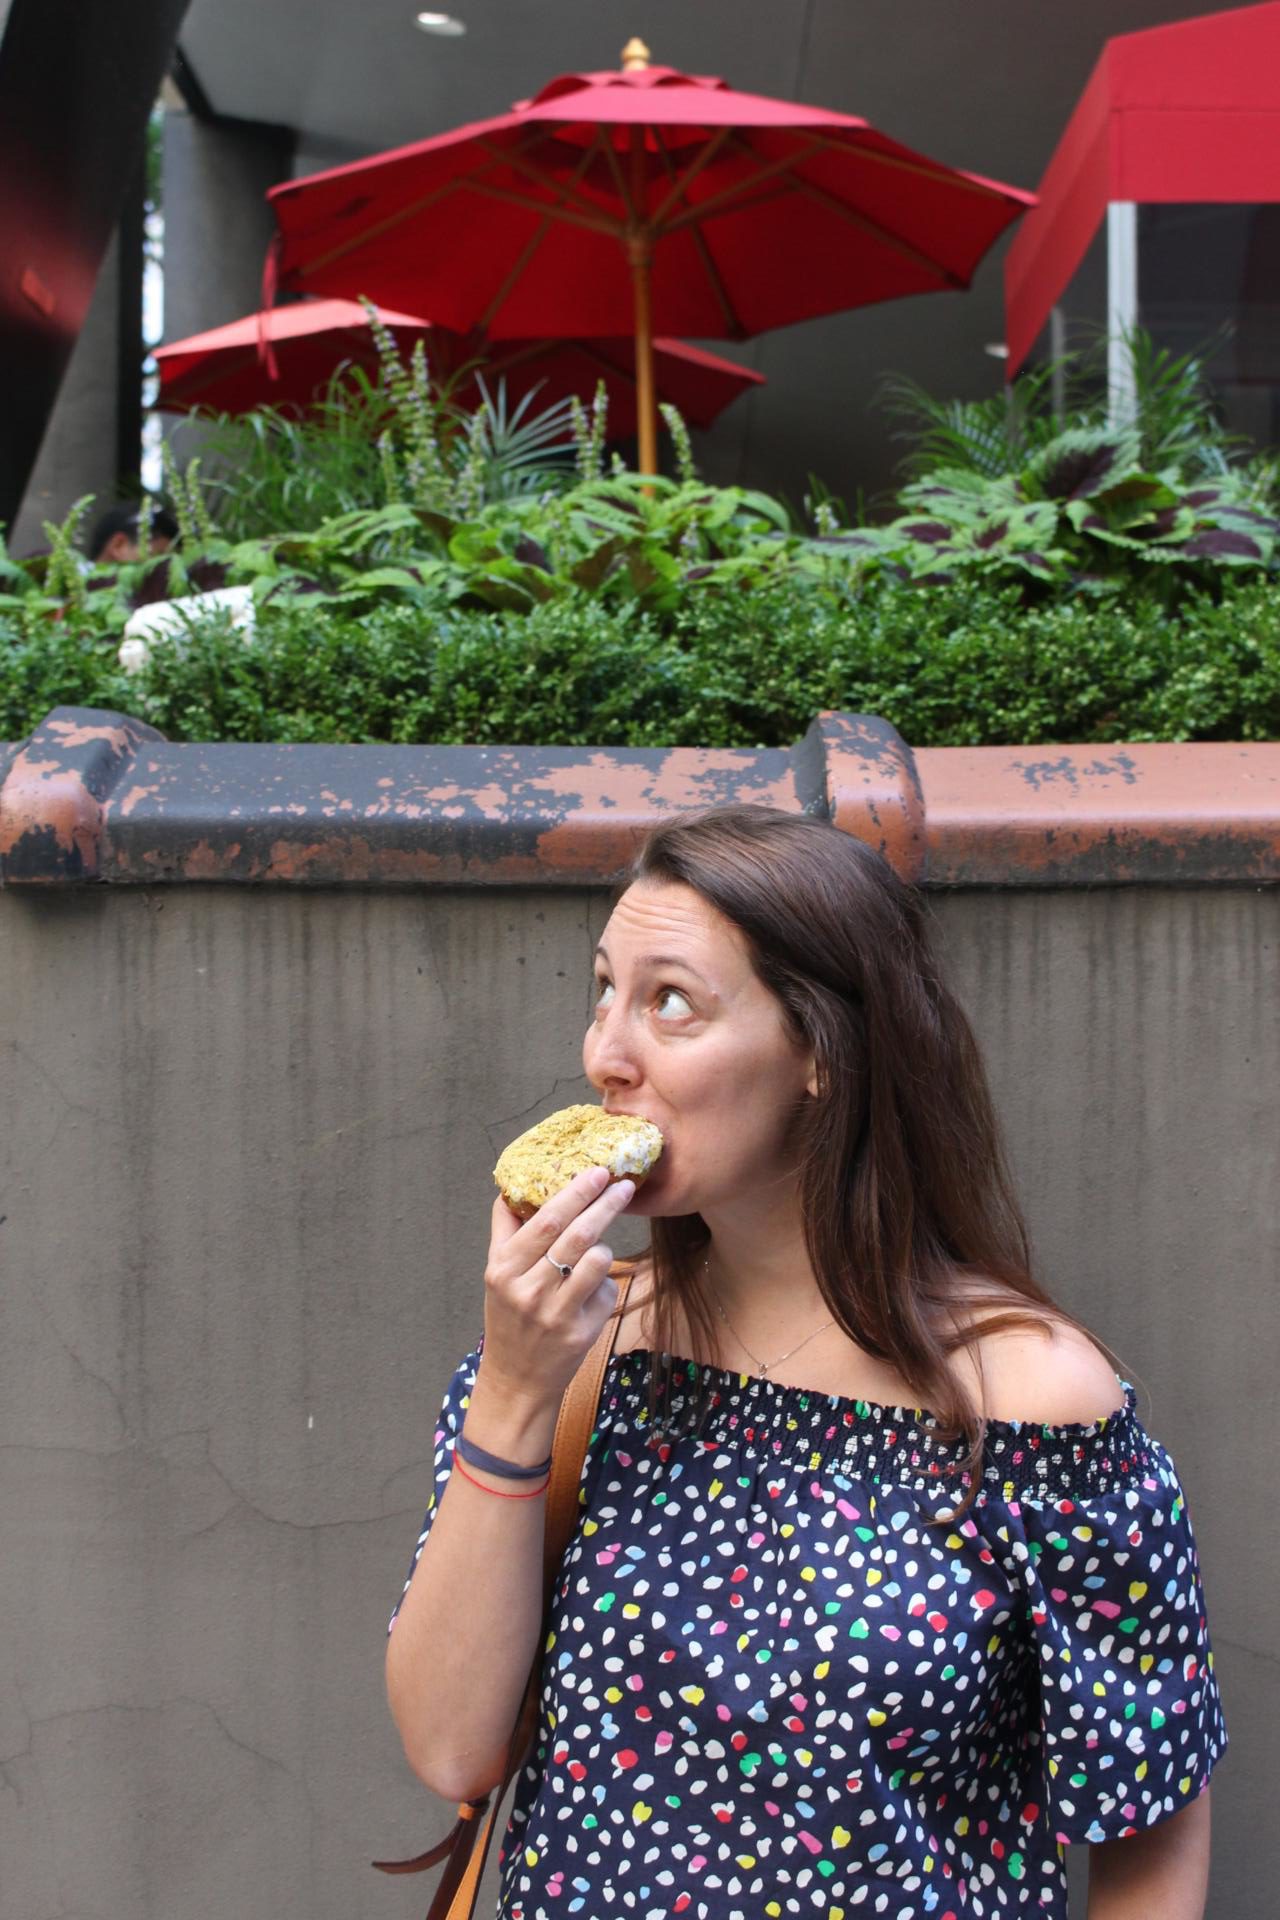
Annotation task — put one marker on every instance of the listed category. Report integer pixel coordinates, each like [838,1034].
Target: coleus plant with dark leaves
[1083,514]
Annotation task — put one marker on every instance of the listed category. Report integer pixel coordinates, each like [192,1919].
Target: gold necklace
[761,1366]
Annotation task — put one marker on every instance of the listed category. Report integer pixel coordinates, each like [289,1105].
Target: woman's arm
[1163,1871]
[467,1629]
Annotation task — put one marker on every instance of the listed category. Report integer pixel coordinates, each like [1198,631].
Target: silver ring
[559,1266]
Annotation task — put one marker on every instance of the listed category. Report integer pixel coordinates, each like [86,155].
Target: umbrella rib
[365,234]
[518,266]
[862,220]
[834,204]
[884,234]
[521,351]
[815,145]
[533,243]
[620,181]
[355,240]
[718,288]
[727,195]
[937,170]
[588,209]
[680,186]
[567,217]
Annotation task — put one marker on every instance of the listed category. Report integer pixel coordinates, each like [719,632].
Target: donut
[545,1159]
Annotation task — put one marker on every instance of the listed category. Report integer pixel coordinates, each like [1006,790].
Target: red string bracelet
[459,1468]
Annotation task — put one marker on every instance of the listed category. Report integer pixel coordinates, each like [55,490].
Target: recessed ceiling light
[443,23]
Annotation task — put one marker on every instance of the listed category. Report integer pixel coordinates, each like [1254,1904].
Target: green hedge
[967,664]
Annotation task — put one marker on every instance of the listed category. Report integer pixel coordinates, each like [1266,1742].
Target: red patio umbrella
[225,369]
[614,202]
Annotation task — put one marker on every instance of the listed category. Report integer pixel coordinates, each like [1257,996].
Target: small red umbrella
[614,202]
[225,369]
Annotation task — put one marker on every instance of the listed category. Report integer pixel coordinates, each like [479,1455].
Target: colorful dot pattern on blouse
[775,1686]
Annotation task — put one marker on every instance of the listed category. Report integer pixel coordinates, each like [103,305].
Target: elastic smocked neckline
[840,1434]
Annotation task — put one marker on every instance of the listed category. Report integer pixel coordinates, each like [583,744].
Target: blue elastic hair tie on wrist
[493,1463]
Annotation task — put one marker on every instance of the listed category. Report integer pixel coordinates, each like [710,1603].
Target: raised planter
[98,796]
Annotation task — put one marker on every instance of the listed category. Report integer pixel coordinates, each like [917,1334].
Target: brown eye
[671,1005]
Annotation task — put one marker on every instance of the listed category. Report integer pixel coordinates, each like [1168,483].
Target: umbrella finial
[635,56]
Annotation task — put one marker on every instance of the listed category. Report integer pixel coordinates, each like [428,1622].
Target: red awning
[1187,112]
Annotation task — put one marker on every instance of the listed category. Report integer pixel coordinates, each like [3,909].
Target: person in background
[114,539]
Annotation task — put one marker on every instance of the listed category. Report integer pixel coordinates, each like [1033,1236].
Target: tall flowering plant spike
[680,441]
[64,578]
[582,447]
[197,506]
[176,488]
[599,426]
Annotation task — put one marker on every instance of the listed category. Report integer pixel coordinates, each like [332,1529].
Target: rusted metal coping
[99,797]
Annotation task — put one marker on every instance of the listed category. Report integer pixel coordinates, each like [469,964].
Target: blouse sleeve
[452,1413]
[1130,1716]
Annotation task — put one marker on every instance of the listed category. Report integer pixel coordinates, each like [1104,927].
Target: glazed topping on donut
[547,1157]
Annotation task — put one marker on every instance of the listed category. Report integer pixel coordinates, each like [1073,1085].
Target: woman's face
[687,1036]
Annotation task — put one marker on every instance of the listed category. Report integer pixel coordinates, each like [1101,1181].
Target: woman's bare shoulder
[1049,1373]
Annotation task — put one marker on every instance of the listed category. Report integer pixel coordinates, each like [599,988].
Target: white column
[1057,349]
[1122,308]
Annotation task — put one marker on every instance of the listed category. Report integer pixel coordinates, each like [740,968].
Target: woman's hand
[538,1326]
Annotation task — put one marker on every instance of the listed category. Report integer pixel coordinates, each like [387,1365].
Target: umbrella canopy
[225,368]
[614,202]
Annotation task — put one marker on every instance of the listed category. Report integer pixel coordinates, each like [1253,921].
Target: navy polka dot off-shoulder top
[775,1686]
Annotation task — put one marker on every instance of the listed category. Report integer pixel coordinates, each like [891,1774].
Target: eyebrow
[658,960]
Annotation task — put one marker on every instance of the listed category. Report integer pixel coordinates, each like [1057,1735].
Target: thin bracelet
[494,1463]
[493,1490]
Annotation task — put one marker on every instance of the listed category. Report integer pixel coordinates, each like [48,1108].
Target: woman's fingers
[589,1274]
[539,1321]
[560,1233]
[584,1234]
[561,1210]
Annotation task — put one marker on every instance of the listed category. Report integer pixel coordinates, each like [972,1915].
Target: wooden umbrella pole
[640,253]
[640,257]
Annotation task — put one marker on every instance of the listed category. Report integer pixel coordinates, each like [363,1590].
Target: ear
[811,1084]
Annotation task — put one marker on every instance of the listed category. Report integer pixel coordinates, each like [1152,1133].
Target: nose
[608,1054]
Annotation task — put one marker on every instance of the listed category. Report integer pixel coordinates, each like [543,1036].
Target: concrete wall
[244,1183]
[215,182]
[217,226]
[78,452]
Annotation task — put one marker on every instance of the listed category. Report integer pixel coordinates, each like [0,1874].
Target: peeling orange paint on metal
[129,800]
[44,797]
[1139,810]
[206,862]
[1037,816]
[595,848]
[874,789]
[73,735]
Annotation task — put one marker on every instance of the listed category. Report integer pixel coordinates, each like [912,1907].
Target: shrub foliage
[492,579]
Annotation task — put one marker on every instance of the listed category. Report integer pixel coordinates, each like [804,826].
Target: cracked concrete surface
[245,1178]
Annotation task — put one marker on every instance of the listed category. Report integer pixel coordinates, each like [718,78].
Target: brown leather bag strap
[466,1848]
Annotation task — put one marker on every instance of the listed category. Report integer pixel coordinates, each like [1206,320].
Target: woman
[814,1650]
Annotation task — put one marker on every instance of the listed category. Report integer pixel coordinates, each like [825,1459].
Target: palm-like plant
[368,440]
[1175,415]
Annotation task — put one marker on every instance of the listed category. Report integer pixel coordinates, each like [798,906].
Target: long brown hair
[908,1204]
